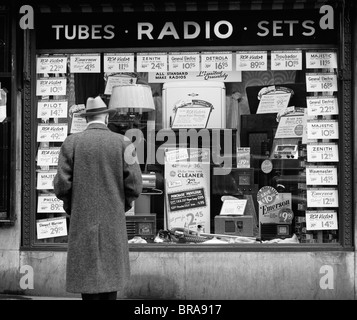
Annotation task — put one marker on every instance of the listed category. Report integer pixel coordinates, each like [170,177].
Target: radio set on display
[285,151]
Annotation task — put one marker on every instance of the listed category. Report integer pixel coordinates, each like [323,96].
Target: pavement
[21,297]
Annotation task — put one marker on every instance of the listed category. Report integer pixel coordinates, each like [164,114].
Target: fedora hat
[96,106]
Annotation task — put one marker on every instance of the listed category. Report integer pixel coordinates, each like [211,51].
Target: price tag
[322,129]
[322,152]
[321,175]
[252,60]
[321,82]
[52,132]
[217,61]
[321,220]
[48,156]
[52,109]
[79,123]
[48,203]
[322,106]
[51,228]
[286,60]
[151,62]
[51,86]
[51,64]
[243,157]
[119,62]
[322,198]
[321,60]
[182,62]
[45,180]
[85,63]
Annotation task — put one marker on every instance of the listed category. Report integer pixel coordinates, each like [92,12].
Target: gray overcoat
[97,179]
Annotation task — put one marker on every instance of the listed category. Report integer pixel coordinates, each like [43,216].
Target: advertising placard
[51,228]
[187,183]
[243,157]
[277,211]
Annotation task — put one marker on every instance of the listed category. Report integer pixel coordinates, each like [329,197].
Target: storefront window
[244,145]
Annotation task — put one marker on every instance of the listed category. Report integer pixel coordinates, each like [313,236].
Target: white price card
[321,220]
[151,62]
[322,129]
[184,62]
[79,123]
[321,175]
[85,63]
[52,132]
[117,80]
[52,109]
[233,207]
[216,61]
[321,82]
[51,228]
[51,64]
[322,152]
[322,106]
[252,60]
[49,203]
[48,156]
[286,60]
[118,62]
[51,86]
[322,198]
[45,179]
[321,60]
[243,157]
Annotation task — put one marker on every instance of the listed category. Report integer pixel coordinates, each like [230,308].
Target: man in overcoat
[98,177]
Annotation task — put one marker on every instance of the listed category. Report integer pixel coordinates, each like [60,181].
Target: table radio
[285,151]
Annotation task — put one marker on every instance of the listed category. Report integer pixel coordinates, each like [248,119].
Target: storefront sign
[322,152]
[54,64]
[321,220]
[322,129]
[321,82]
[252,60]
[322,106]
[322,198]
[47,156]
[188,188]
[151,62]
[45,180]
[321,175]
[286,60]
[216,61]
[49,204]
[85,63]
[51,228]
[182,62]
[118,62]
[52,109]
[193,28]
[51,86]
[321,60]
[52,132]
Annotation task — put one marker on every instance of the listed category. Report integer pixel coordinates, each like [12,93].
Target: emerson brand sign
[155,29]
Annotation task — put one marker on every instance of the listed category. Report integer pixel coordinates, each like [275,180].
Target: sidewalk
[20,297]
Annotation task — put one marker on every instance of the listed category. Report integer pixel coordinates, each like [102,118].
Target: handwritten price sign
[52,132]
[85,63]
[51,228]
[119,62]
[52,109]
[151,62]
[51,64]
[220,61]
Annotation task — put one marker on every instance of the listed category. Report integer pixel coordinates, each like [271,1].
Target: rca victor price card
[51,64]
[118,62]
[48,156]
[51,86]
[322,152]
[52,132]
[321,220]
[252,60]
[51,228]
[321,175]
[322,198]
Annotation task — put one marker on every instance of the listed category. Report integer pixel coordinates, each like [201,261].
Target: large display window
[246,145]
